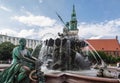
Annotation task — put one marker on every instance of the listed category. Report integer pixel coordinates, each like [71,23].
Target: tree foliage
[107,58]
[6,50]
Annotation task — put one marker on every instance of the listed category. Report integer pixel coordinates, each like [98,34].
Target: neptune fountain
[65,59]
[62,59]
[66,51]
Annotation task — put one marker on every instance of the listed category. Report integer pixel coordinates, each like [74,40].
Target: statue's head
[22,42]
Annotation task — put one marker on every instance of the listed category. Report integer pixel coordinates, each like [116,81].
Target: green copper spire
[73,22]
[73,12]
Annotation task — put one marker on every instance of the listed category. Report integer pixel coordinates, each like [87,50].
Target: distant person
[118,65]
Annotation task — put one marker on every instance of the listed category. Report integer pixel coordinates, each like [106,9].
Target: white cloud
[96,37]
[100,30]
[26,33]
[5,8]
[42,33]
[86,30]
[22,33]
[32,20]
[8,32]
[48,32]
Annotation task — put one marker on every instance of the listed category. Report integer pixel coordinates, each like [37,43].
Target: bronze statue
[21,66]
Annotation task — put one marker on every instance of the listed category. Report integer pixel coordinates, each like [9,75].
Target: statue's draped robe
[10,75]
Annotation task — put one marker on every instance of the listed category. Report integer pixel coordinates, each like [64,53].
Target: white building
[30,43]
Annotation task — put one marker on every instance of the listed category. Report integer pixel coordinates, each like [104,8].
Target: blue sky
[34,18]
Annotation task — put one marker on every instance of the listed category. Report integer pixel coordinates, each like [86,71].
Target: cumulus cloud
[100,30]
[9,32]
[86,30]
[49,32]
[26,33]
[5,8]
[32,20]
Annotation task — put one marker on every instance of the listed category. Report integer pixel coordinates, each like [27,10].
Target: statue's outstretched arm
[27,58]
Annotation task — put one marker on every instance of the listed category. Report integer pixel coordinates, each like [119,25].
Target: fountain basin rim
[88,78]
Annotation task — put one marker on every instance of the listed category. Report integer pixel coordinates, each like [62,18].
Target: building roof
[105,44]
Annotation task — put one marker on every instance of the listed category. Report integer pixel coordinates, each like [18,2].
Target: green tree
[6,50]
[107,58]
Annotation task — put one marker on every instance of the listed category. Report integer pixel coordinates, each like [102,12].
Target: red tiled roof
[105,44]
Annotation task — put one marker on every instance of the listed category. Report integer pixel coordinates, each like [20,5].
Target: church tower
[73,31]
[73,22]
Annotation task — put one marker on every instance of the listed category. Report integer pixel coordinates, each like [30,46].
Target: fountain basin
[73,78]
[85,76]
